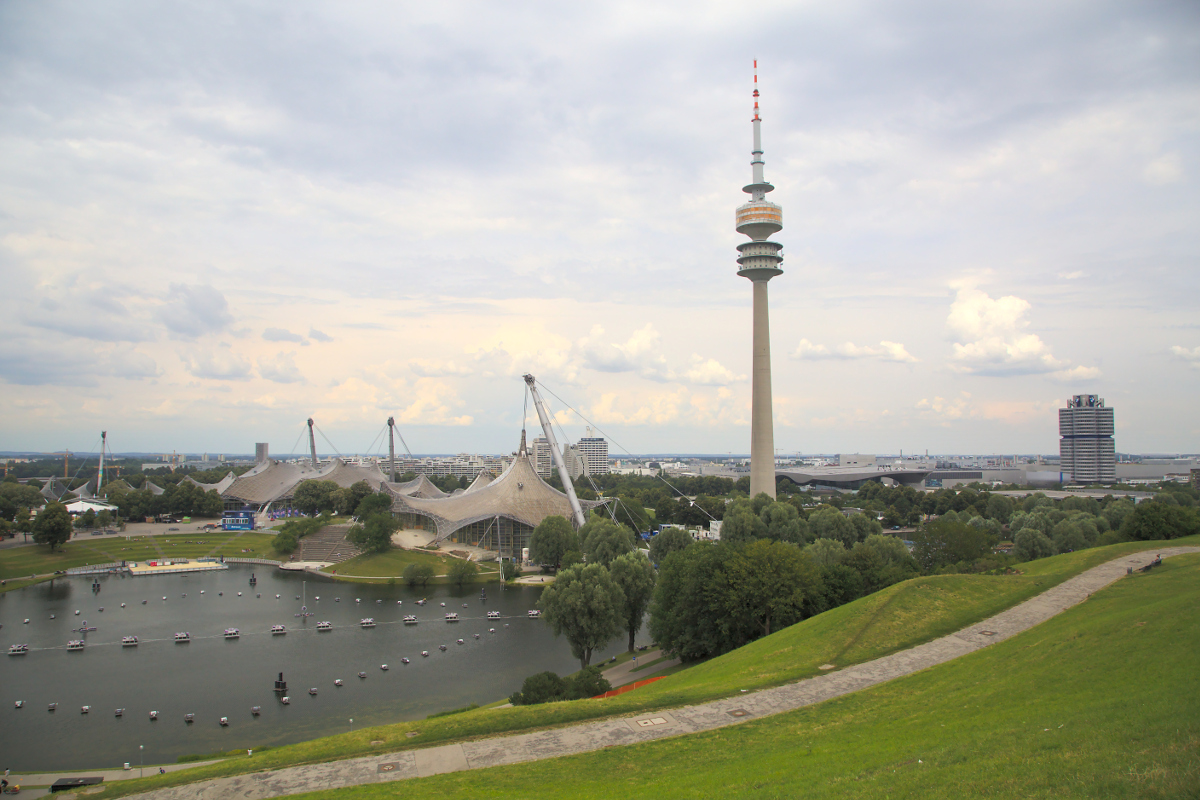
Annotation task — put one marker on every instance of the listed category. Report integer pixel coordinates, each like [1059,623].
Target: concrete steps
[328,545]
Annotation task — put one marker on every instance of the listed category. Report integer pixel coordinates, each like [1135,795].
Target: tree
[664,511]
[312,496]
[946,541]
[667,542]
[585,605]
[768,585]
[343,500]
[826,552]
[544,687]
[461,571]
[552,538]
[588,682]
[1153,519]
[829,523]
[1031,544]
[893,551]
[635,576]
[864,525]
[376,503]
[741,524]
[1000,508]
[784,523]
[417,574]
[86,520]
[52,526]
[711,599]
[375,534]
[285,542]
[606,541]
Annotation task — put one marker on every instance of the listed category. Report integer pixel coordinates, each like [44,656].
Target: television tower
[759,260]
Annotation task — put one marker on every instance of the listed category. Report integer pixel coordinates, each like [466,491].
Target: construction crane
[568,486]
[66,454]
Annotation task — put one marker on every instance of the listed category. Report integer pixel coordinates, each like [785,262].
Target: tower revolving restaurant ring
[758,219]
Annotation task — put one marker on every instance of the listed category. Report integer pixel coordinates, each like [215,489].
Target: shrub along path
[662,724]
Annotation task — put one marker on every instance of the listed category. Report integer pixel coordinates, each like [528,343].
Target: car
[172,529]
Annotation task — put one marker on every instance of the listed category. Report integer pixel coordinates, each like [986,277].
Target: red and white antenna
[756,90]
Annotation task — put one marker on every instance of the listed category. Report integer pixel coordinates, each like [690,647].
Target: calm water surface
[212,677]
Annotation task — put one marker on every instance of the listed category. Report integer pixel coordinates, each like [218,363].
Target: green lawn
[896,618]
[38,560]
[1098,702]
[392,563]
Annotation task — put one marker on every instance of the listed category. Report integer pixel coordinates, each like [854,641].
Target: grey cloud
[318,336]
[36,363]
[192,311]
[282,335]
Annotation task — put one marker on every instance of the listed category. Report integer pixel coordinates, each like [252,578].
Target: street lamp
[141,759]
[352,724]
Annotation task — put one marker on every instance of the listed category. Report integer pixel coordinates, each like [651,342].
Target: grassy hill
[1099,702]
[896,618]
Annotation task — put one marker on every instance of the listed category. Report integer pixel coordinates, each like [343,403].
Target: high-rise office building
[759,260]
[1087,450]
[594,450]
[261,452]
[543,459]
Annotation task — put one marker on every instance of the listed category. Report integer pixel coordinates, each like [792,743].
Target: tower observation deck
[759,260]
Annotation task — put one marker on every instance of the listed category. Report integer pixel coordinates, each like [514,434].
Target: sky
[218,221]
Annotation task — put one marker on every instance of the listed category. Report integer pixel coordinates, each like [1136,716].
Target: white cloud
[280,369]
[221,364]
[431,368]
[1191,356]
[808,350]
[641,353]
[993,341]
[710,372]
[1163,170]
[886,351]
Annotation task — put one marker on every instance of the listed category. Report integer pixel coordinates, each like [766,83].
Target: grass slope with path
[896,618]
[1097,702]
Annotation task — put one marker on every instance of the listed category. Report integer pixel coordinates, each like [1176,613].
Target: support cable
[326,438]
[624,449]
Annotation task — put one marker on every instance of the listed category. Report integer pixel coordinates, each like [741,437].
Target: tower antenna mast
[758,261]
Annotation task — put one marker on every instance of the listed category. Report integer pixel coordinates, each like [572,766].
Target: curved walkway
[585,737]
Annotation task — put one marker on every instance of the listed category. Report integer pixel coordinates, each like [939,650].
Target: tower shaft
[762,419]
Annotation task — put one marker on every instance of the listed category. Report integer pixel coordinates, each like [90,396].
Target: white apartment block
[594,450]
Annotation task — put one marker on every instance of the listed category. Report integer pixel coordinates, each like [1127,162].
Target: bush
[462,571]
[1031,544]
[417,574]
[285,542]
[547,687]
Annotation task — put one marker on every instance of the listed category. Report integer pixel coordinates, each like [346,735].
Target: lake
[214,677]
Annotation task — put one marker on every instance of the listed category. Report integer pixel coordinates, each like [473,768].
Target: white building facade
[1086,448]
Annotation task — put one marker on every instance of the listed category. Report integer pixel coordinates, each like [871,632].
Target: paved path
[624,673]
[591,736]
[109,775]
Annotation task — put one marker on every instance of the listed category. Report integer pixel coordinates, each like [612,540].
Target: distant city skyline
[216,226]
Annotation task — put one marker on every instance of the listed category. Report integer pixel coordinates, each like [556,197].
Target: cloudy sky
[216,221]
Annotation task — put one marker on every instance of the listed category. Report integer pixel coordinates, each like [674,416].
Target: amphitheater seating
[328,545]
